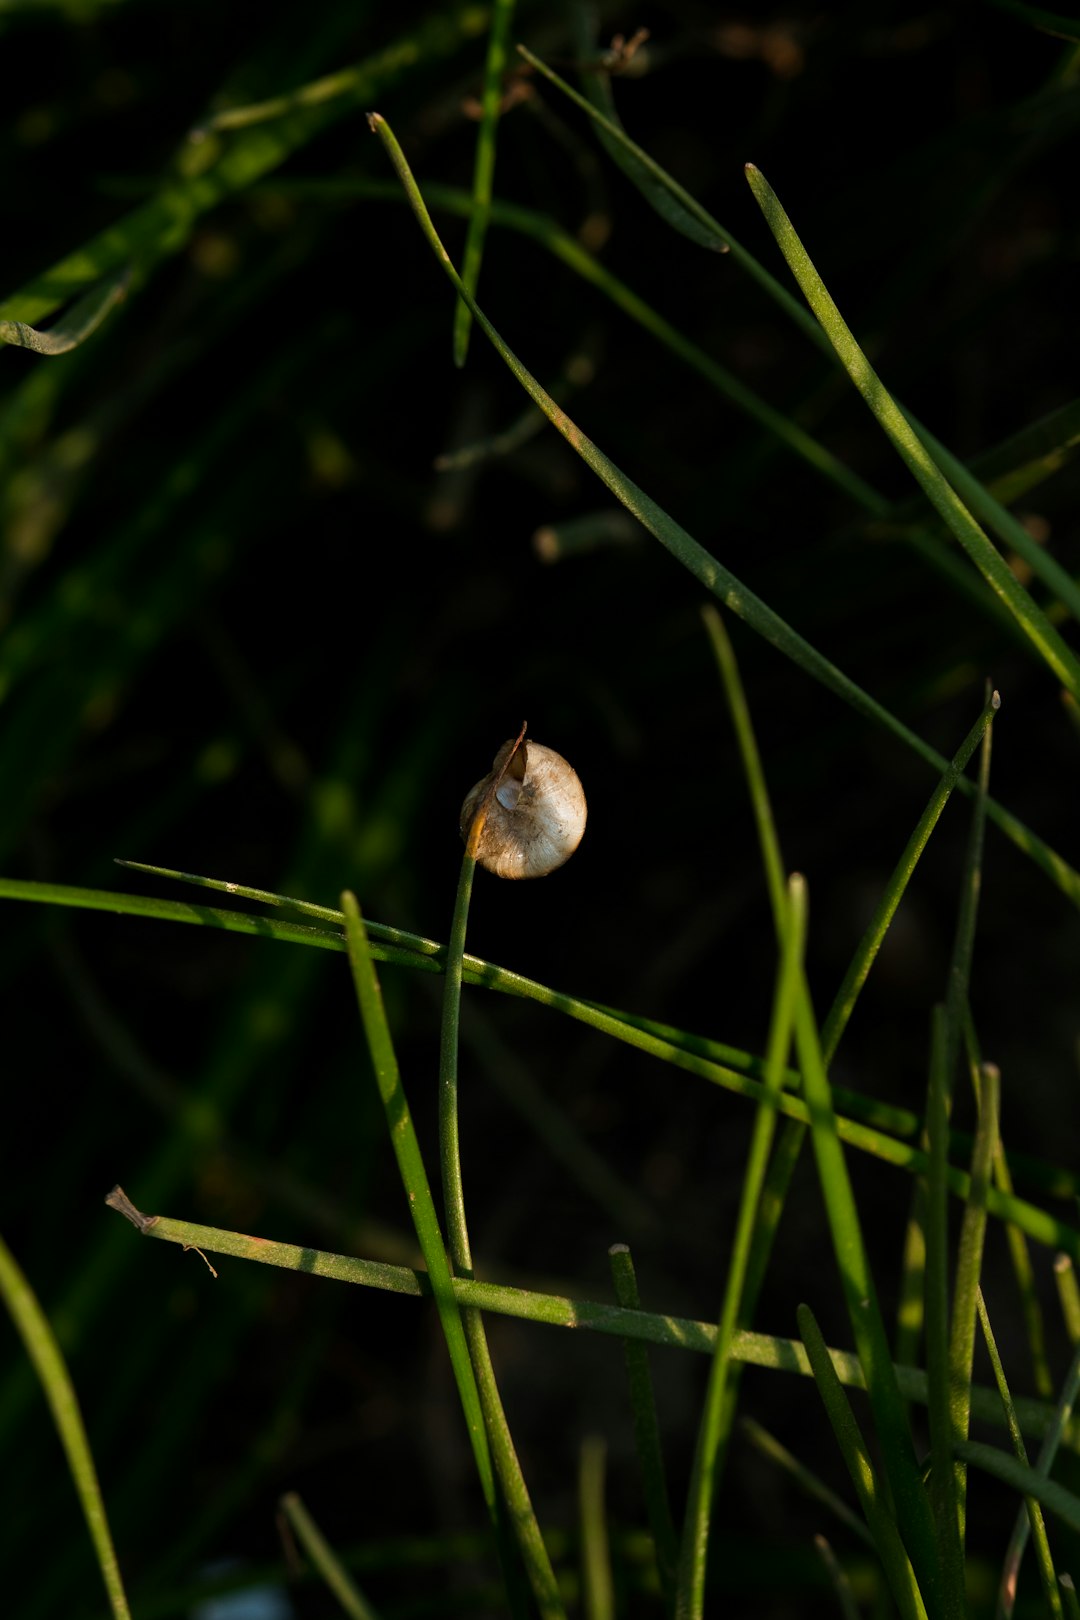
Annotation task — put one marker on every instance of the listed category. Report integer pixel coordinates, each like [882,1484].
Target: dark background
[249,631]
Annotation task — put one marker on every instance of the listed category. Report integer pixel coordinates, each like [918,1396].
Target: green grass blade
[868,1488]
[502,12]
[1047,1452]
[717,1413]
[325,1559]
[646,1429]
[968,1270]
[597,1584]
[1047,1572]
[1069,1597]
[1068,1295]
[1055,652]
[943,1484]
[1025,1481]
[807,1481]
[48,1362]
[868,947]
[693,556]
[561,1311]
[868,1328]
[80,322]
[415,1182]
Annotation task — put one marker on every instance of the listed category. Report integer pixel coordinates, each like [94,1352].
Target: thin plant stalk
[48,1362]
[1010,1573]
[1068,1295]
[325,1560]
[520,1512]
[1047,1573]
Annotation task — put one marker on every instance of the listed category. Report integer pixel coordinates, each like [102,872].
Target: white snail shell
[535,818]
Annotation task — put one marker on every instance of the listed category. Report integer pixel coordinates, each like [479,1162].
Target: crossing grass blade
[502,12]
[75,326]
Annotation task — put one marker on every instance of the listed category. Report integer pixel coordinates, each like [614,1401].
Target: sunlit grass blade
[502,12]
[597,1584]
[1069,1597]
[40,1344]
[325,1559]
[75,326]
[717,1413]
[807,1481]
[864,1313]
[1034,1511]
[968,1271]
[1055,652]
[1026,1482]
[415,1182]
[646,1429]
[693,556]
[869,1489]
[765,1350]
[1024,1273]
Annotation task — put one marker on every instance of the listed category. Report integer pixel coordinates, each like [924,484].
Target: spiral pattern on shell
[536,816]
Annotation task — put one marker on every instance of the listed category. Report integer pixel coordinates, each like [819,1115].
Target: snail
[535,816]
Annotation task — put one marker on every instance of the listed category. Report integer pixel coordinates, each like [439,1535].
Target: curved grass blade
[1055,652]
[502,12]
[561,1311]
[44,1352]
[718,1411]
[80,322]
[1068,1295]
[325,1559]
[1047,1572]
[887,1540]
[699,562]
[646,1429]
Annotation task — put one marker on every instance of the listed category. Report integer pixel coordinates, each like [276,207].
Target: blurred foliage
[248,628]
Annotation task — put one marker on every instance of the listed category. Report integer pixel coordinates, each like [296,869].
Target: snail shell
[535,818]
